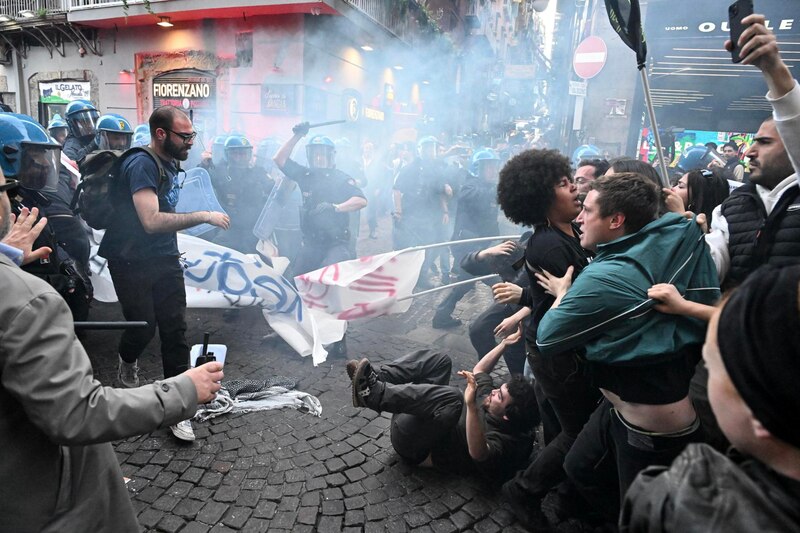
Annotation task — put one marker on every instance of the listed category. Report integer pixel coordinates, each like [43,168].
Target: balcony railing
[23,9]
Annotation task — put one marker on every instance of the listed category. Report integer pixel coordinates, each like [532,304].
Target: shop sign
[278,99]
[188,89]
[374,114]
[63,92]
[352,105]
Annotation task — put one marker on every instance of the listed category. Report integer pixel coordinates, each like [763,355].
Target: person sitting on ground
[641,360]
[486,430]
[753,374]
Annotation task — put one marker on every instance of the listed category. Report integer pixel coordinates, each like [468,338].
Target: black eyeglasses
[8,185]
[186,137]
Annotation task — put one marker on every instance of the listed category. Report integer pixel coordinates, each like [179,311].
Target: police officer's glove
[301,129]
[322,208]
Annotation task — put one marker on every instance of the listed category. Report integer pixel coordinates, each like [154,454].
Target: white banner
[363,288]
[218,277]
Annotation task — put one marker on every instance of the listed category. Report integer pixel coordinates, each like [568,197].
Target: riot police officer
[58,129]
[476,217]
[329,195]
[113,132]
[420,205]
[29,155]
[81,117]
[242,189]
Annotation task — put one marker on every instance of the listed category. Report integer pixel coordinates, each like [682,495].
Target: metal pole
[464,241]
[110,325]
[445,287]
[654,127]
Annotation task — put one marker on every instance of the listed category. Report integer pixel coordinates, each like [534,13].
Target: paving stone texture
[284,470]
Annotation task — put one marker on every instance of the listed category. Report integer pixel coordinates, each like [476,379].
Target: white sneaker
[128,374]
[183,430]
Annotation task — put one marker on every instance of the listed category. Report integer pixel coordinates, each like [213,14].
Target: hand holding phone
[736,13]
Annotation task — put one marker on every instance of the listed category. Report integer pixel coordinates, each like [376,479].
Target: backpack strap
[164,181]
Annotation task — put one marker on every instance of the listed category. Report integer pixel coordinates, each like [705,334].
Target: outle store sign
[187,89]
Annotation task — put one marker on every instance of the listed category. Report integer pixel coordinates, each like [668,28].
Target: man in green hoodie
[641,360]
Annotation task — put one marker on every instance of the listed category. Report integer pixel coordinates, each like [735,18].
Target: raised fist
[301,129]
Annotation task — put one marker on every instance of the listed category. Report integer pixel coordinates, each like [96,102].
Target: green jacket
[607,310]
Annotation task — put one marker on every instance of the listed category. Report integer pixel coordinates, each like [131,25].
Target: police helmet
[585,151]
[238,151]
[425,142]
[141,128]
[81,117]
[321,151]
[56,122]
[218,149]
[113,133]
[140,139]
[265,152]
[480,158]
[28,153]
[696,157]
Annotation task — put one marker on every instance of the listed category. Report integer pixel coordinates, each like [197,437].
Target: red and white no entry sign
[590,57]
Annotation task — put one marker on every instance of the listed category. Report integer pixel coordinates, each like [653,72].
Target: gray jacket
[58,471]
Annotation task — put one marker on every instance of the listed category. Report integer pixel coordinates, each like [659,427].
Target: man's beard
[175,150]
[770,175]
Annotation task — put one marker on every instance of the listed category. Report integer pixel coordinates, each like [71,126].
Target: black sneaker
[526,508]
[366,385]
[445,322]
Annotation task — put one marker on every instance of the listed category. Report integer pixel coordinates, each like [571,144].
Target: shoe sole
[183,437]
[358,375]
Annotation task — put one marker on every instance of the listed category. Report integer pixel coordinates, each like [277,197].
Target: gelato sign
[187,89]
[64,92]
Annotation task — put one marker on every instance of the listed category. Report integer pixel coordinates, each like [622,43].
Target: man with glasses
[141,246]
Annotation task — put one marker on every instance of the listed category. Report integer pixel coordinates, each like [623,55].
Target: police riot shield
[197,194]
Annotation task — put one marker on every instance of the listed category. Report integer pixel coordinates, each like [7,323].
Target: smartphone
[736,12]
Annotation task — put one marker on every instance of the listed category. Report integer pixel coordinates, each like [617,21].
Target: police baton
[329,123]
[110,325]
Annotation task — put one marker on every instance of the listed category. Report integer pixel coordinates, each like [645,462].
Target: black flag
[626,19]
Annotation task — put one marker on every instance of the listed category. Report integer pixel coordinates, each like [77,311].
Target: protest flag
[626,19]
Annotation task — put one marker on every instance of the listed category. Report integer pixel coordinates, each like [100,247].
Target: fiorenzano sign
[187,88]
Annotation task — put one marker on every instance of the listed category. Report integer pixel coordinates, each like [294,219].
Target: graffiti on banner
[362,288]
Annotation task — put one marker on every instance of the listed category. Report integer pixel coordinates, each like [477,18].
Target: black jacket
[706,492]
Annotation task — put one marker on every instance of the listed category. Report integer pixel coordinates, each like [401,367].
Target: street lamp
[164,22]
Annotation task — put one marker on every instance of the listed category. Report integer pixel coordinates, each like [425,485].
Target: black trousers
[72,237]
[153,290]
[561,385]
[481,334]
[610,452]
[425,407]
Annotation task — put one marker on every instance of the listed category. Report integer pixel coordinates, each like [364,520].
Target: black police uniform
[242,192]
[77,148]
[326,233]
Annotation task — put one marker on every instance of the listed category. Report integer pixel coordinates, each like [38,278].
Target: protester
[641,360]
[485,430]
[753,375]
[699,191]
[141,246]
[536,189]
[588,170]
[58,471]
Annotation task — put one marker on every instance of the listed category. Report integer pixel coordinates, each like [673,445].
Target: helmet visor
[319,156]
[83,122]
[114,140]
[239,157]
[38,169]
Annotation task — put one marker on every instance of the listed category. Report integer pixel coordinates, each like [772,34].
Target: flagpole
[450,286]
[464,241]
[654,127]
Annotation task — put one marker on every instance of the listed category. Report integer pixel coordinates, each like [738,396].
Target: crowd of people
[650,331]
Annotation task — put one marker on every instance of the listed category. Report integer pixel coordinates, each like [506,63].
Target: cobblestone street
[285,470]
